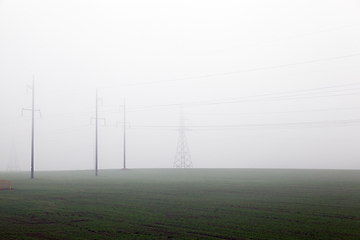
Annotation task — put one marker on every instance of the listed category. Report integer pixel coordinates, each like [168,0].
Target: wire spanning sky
[262,84]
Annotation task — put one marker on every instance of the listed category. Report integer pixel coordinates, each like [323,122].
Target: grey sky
[264,84]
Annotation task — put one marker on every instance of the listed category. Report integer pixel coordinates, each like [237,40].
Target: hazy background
[263,84]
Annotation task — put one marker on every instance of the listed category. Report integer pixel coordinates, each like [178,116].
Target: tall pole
[124,138]
[32,124]
[32,129]
[96,135]
[96,131]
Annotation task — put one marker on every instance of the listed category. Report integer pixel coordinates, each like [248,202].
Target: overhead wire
[234,72]
[260,97]
[277,112]
[254,44]
[311,124]
[254,113]
[264,97]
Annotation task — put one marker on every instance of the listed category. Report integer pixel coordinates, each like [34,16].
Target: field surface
[182,204]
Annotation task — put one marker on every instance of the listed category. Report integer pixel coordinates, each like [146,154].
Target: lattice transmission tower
[13,164]
[182,156]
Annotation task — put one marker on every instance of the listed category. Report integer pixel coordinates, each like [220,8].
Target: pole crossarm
[29,87]
[27,109]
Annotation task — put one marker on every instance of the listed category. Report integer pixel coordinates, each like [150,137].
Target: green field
[182,204]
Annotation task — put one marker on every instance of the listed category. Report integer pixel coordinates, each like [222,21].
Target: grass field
[182,204]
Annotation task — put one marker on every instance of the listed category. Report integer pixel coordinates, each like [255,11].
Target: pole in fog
[96,135]
[124,139]
[96,131]
[32,125]
[124,112]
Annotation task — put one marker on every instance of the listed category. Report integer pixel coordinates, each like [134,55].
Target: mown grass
[182,204]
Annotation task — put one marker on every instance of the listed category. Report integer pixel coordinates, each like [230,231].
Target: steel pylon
[13,164]
[182,156]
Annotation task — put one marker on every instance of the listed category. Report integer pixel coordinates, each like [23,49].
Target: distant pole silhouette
[32,129]
[124,127]
[32,126]
[96,131]
[96,135]
[124,138]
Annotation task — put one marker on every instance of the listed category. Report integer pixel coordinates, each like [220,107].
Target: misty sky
[262,84]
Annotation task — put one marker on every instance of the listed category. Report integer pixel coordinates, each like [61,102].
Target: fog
[261,84]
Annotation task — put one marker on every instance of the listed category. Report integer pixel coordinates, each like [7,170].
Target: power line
[73,114]
[256,113]
[64,130]
[123,85]
[254,44]
[312,124]
[288,95]
[235,72]
[260,97]
[289,74]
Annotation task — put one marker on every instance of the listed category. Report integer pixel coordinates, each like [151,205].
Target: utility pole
[96,135]
[124,139]
[124,110]
[182,156]
[32,125]
[96,132]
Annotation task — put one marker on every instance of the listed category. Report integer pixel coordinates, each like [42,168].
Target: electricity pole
[32,125]
[96,135]
[124,139]
[124,110]
[96,132]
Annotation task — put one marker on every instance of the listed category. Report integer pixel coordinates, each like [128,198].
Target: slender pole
[124,138]
[96,135]
[32,129]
